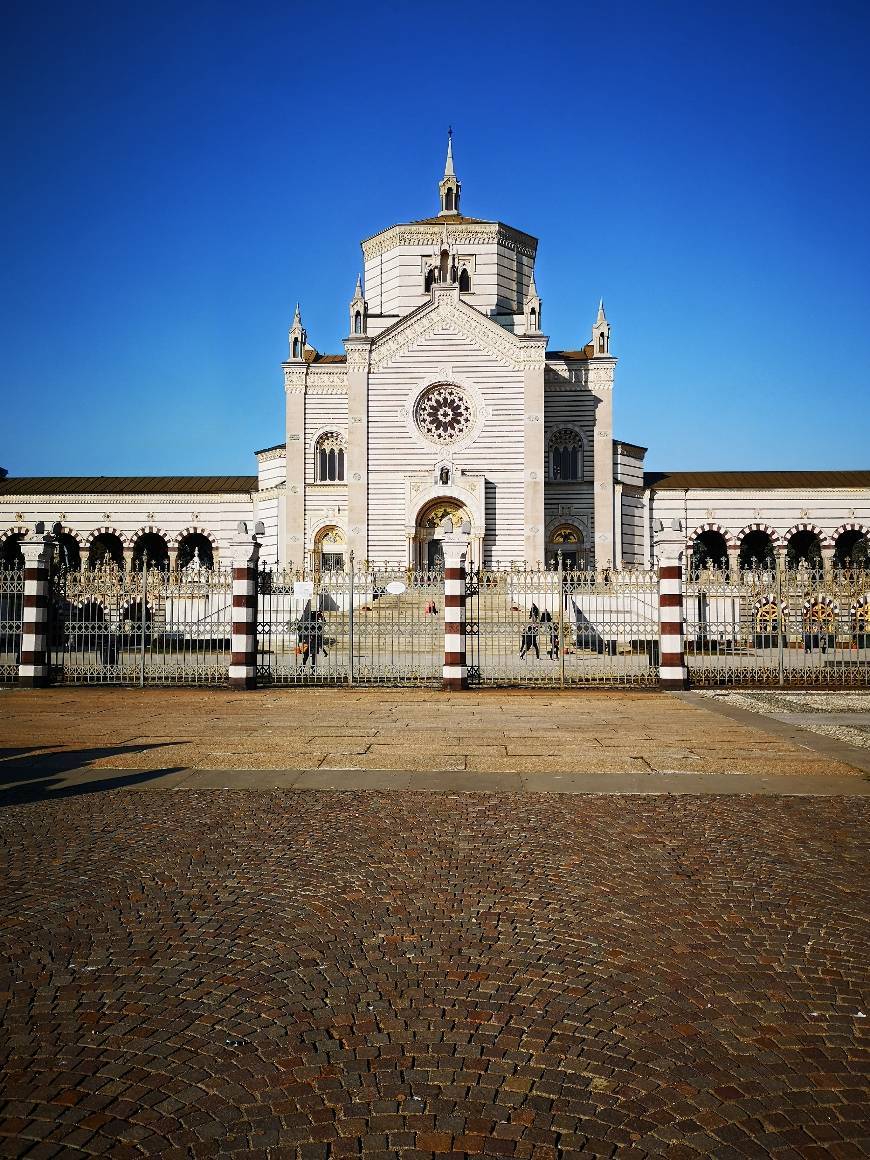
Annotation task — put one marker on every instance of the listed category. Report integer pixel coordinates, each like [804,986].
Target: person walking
[529,639]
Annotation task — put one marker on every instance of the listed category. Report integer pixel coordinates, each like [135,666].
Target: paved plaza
[423,973]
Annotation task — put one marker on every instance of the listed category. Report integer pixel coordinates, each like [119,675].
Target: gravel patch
[774,704]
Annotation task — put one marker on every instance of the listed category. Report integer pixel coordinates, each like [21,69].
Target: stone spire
[297,335]
[532,308]
[358,310]
[449,187]
[601,332]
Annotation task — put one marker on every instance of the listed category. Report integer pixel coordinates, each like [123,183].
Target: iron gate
[360,626]
[529,626]
[146,627]
[11,617]
[778,626]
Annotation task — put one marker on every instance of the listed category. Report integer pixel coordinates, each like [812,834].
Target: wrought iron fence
[11,617]
[360,626]
[773,625]
[529,626]
[146,627]
[778,625]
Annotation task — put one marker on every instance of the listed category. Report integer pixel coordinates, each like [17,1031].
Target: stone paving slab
[488,732]
[307,974]
[29,783]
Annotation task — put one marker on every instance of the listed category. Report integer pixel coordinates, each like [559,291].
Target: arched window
[69,554]
[566,455]
[106,550]
[296,348]
[804,547]
[195,552]
[11,555]
[329,458]
[852,549]
[533,319]
[445,266]
[430,279]
[448,201]
[601,346]
[464,281]
[329,549]
[357,323]
[757,551]
[709,550]
[151,548]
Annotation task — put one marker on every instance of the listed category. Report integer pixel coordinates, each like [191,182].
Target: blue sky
[176,176]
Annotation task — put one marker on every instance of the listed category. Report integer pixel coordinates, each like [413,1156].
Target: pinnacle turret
[449,188]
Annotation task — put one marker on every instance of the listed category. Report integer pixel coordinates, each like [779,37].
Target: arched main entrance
[428,551]
[568,539]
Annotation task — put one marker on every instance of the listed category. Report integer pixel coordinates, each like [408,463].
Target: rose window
[443,414]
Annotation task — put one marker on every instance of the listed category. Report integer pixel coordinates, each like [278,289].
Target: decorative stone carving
[489,336]
[358,358]
[443,414]
[478,234]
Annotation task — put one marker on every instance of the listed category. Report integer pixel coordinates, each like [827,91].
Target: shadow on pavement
[28,775]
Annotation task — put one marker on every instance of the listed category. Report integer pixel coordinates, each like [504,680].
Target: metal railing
[530,626]
[11,617]
[144,627]
[360,626]
[778,625]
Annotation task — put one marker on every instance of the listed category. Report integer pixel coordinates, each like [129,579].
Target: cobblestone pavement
[414,975]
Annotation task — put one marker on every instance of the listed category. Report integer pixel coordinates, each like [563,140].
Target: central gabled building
[447,402]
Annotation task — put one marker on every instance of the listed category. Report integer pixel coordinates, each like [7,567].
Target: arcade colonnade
[759,544]
[106,545]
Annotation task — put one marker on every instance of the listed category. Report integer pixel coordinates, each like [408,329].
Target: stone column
[358,351]
[455,675]
[617,525]
[33,668]
[828,559]
[295,378]
[601,386]
[534,467]
[244,552]
[733,564]
[673,673]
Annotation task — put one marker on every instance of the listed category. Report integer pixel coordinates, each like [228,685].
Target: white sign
[395,587]
[303,589]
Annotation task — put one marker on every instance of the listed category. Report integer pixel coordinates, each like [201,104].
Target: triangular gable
[447,311]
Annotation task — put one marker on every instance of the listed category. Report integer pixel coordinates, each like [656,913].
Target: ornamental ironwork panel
[11,616]
[778,625]
[360,626]
[530,626]
[145,627]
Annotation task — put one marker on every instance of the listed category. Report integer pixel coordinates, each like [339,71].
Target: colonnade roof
[763,480]
[128,484]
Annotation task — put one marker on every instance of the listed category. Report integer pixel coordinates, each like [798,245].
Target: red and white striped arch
[104,531]
[15,530]
[711,526]
[193,530]
[71,532]
[804,526]
[147,530]
[849,526]
[775,537]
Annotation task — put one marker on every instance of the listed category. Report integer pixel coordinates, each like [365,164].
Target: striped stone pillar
[33,668]
[455,675]
[673,673]
[244,554]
